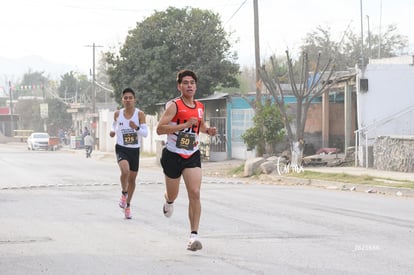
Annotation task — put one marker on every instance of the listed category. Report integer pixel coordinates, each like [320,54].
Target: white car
[38,141]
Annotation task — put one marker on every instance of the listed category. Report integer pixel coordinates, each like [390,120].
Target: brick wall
[313,128]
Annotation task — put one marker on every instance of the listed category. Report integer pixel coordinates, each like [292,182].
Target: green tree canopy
[58,118]
[29,114]
[27,106]
[33,84]
[34,78]
[166,42]
[268,127]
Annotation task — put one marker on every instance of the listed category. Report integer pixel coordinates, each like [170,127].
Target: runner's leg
[192,179]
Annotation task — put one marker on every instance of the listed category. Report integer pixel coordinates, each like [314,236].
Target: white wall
[107,144]
[241,119]
[239,151]
[385,107]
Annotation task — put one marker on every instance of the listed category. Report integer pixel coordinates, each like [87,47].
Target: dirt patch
[228,168]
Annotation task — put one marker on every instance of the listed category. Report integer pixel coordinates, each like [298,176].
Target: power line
[85,7]
[231,17]
[103,87]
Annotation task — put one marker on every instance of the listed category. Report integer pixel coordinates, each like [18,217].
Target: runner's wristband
[113,126]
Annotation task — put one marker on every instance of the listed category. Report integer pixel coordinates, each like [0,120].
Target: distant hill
[14,69]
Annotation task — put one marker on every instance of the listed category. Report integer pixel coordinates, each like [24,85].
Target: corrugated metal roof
[214,96]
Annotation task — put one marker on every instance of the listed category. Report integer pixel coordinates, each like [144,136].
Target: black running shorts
[129,154]
[173,164]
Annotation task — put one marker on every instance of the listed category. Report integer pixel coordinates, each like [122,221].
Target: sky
[63,31]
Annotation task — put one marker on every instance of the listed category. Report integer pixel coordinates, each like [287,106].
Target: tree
[305,88]
[58,117]
[389,44]
[169,41]
[33,85]
[320,43]
[346,53]
[31,92]
[268,127]
[41,91]
[74,87]
[29,114]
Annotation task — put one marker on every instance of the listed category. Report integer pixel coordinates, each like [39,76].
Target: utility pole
[369,39]
[11,110]
[261,144]
[93,86]
[362,42]
[44,108]
[379,35]
[257,49]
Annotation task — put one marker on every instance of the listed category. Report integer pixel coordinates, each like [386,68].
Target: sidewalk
[364,171]
[387,181]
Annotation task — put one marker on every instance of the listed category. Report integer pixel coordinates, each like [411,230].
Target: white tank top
[125,135]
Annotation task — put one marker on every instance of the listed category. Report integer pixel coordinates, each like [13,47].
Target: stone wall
[394,153]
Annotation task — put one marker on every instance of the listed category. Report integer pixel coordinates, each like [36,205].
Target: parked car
[38,141]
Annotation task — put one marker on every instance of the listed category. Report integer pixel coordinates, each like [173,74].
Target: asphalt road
[59,215]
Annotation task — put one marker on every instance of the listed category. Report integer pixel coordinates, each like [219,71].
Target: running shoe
[122,201]
[168,208]
[128,213]
[194,244]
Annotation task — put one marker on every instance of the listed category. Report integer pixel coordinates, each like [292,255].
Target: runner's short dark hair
[182,73]
[128,90]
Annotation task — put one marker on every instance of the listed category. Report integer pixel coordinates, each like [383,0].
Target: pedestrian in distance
[85,132]
[182,121]
[128,126]
[89,142]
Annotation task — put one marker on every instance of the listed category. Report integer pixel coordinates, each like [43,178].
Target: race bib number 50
[185,141]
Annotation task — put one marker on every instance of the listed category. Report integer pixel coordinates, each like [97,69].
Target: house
[231,115]
[331,119]
[385,101]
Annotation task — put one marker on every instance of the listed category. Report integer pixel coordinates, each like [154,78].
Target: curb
[340,186]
